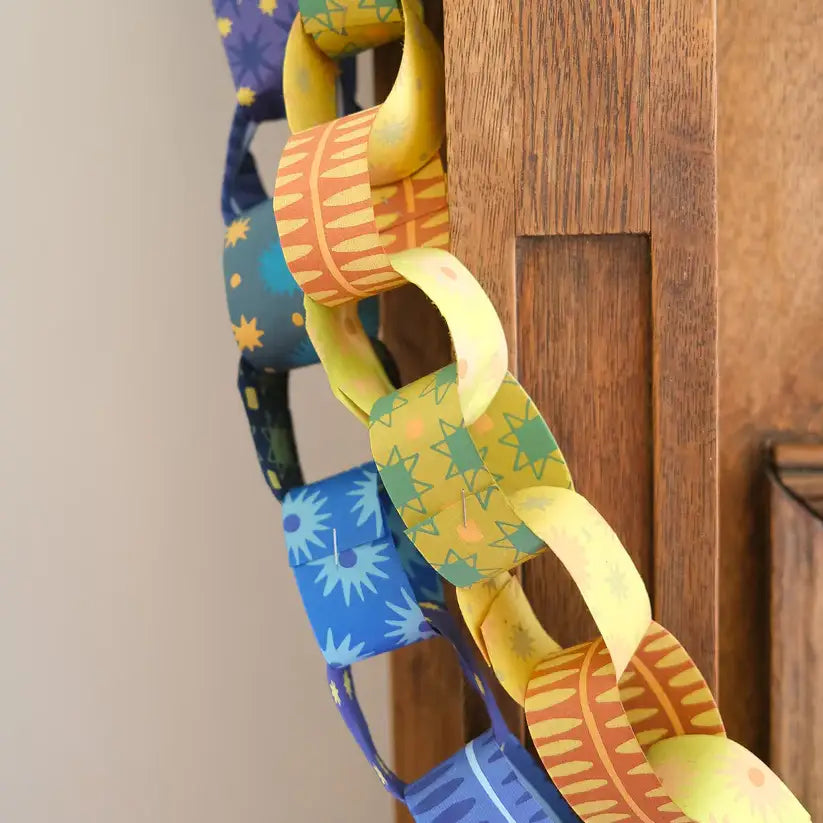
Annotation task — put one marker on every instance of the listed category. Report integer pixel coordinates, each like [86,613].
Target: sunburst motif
[522,643]
[224,25]
[352,569]
[348,684]
[335,692]
[237,230]
[411,625]
[247,335]
[366,501]
[303,521]
[246,96]
[341,655]
[268,7]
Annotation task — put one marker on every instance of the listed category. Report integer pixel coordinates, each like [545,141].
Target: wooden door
[581,161]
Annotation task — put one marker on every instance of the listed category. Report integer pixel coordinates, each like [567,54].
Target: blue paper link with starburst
[360,578]
[265,303]
[493,779]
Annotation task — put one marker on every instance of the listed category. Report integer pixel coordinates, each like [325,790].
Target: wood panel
[584,82]
[796,727]
[770,65]
[684,323]
[585,345]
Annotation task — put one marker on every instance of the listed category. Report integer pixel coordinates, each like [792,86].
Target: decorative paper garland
[625,725]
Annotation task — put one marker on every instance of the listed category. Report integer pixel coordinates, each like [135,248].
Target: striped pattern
[328,228]
[664,693]
[586,738]
[414,211]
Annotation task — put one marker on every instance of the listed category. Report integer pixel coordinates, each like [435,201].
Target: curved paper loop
[266,402]
[592,733]
[337,231]
[360,578]
[478,337]
[715,779]
[265,304]
[254,37]
[437,469]
[493,778]
[344,27]
[409,126]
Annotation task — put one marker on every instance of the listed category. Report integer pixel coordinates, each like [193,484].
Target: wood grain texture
[770,66]
[585,343]
[585,88]
[427,690]
[684,323]
[796,751]
[483,117]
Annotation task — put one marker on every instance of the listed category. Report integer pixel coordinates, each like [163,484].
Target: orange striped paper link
[592,744]
[335,231]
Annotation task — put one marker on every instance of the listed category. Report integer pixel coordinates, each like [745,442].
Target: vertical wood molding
[770,194]
[585,87]
[796,750]
[684,322]
[586,344]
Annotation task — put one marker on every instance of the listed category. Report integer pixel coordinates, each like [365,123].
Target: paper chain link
[468,481]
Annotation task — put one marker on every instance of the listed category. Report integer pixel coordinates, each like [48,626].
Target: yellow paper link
[600,566]
[506,630]
[477,335]
[450,481]
[309,81]
[480,344]
[715,780]
[410,124]
[356,376]
[346,27]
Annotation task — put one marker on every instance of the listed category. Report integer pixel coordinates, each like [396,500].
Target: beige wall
[155,664]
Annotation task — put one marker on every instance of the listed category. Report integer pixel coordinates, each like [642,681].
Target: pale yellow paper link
[475,329]
[715,780]
[355,373]
[411,122]
[309,81]
[506,631]
[593,555]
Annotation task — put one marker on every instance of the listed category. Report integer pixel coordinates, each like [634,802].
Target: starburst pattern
[268,7]
[247,335]
[237,230]
[348,684]
[464,458]
[442,381]
[248,59]
[519,538]
[531,440]
[341,655]
[275,274]
[352,569]
[411,625]
[335,692]
[366,500]
[303,522]
[405,489]
[385,407]
[224,25]
[522,643]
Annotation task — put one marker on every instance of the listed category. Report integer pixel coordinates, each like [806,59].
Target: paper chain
[467,480]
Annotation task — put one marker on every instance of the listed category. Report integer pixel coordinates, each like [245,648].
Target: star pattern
[443,380]
[385,407]
[465,459]
[236,231]
[248,58]
[405,490]
[518,538]
[531,440]
[247,335]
